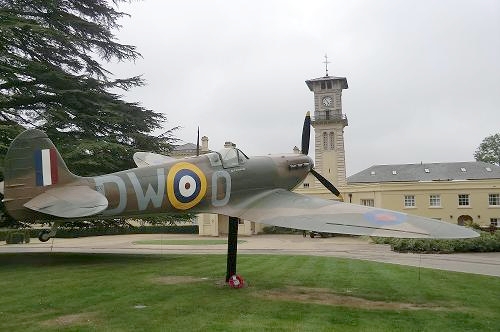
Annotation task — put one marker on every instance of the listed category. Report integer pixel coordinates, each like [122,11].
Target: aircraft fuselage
[195,184]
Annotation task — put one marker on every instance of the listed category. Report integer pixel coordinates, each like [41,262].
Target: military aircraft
[38,186]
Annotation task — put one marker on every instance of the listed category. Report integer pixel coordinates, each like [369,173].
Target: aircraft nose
[311,162]
[302,162]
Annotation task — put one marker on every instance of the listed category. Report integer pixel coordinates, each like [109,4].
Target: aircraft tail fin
[32,166]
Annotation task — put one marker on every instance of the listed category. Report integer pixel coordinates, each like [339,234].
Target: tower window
[323,86]
[325,141]
[332,140]
[329,84]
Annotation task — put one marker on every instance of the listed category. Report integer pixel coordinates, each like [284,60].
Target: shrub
[64,232]
[97,231]
[15,238]
[484,243]
[279,230]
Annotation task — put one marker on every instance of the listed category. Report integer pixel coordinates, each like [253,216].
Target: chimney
[204,144]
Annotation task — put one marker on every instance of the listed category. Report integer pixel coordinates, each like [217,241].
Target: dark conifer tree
[51,78]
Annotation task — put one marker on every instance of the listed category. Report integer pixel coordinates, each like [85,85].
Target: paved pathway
[346,247]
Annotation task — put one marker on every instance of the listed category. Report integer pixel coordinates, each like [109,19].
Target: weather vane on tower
[326,62]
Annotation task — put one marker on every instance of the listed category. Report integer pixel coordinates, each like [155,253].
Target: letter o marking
[186,185]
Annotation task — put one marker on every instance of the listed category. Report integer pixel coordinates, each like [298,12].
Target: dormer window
[463,169]
[394,172]
[426,170]
[488,169]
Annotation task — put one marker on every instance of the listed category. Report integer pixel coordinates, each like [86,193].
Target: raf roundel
[385,217]
[186,185]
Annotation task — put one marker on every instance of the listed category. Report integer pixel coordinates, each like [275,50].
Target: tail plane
[37,178]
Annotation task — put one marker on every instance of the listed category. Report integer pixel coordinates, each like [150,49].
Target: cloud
[423,76]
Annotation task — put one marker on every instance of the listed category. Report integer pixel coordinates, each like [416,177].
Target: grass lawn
[104,292]
[185,242]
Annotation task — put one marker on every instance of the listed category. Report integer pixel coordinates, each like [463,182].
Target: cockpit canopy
[227,157]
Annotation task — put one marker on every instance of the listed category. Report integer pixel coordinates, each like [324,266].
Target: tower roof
[343,81]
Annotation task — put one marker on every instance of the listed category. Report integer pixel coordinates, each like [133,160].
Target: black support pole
[232,247]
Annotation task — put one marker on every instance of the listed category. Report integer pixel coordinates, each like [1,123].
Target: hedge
[17,236]
[486,242]
[280,230]
[96,231]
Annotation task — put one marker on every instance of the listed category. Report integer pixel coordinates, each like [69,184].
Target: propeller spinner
[306,133]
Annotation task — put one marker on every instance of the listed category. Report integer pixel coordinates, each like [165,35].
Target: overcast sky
[424,76]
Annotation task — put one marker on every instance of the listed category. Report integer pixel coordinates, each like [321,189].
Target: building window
[325,141]
[332,140]
[323,86]
[494,200]
[368,202]
[306,185]
[329,84]
[494,222]
[435,200]
[463,200]
[409,200]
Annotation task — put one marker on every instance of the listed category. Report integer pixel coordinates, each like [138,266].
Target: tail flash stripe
[46,167]
[54,174]
[47,178]
[38,168]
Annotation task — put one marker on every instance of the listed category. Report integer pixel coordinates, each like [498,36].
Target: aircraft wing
[143,159]
[287,209]
[69,202]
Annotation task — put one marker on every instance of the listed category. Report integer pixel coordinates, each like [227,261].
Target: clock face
[327,101]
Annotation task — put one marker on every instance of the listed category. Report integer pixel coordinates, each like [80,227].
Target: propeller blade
[328,185]
[306,133]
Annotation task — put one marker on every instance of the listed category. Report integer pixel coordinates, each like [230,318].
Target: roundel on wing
[385,217]
[186,185]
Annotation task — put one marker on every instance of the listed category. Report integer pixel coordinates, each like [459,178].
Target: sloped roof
[475,170]
[185,147]
[327,78]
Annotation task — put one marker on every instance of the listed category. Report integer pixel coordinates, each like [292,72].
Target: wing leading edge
[287,209]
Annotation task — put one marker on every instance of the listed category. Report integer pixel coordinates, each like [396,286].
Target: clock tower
[329,123]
